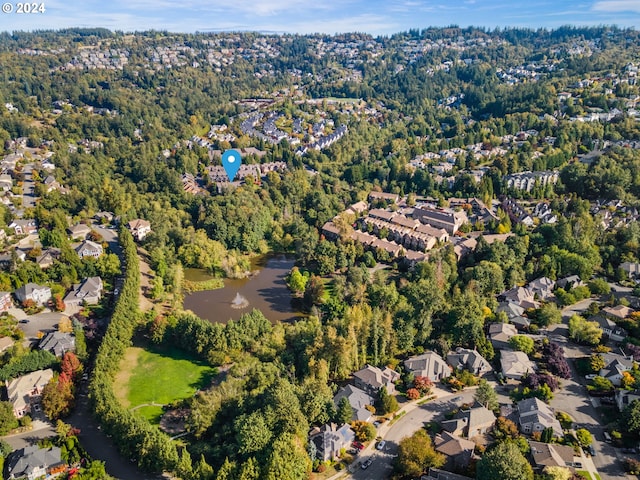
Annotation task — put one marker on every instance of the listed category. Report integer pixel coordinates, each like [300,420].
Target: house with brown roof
[550,455]
[372,379]
[449,220]
[24,392]
[471,422]
[500,333]
[139,228]
[79,231]
[459,451]
[384,196]
[47,257]
[429,364]
[619,311]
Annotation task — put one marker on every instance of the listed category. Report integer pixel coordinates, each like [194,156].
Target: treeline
[134,436]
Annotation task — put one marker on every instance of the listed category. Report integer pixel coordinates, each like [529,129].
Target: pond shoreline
[264,289]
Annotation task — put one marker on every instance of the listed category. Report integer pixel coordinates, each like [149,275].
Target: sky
[378,17]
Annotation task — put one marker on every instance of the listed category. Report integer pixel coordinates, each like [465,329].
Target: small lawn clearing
[153,377]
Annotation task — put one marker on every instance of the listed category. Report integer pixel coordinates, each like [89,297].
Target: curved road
[417,416]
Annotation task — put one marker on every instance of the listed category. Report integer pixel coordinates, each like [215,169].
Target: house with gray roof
[533,415]
[34,462]
[520,296]
[47,257]
[615,366]
[609,328]
[471,360]
[542,287]
[329,440]
[58,343]
[470,423]
[372,379]
[359,401]
[89,249]
[40,294]
[430,365]
[88,292]
[515,364]
[569,282]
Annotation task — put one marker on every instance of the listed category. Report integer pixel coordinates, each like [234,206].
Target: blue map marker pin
[231,160]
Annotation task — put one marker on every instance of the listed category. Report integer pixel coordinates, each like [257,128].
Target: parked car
[590,376]
[24,320]
[381,445]
[629,450]
[607,437]
[366,463]
[591,450]
[357,445]
[577,464]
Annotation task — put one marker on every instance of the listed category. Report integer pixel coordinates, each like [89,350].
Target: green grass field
[152,377]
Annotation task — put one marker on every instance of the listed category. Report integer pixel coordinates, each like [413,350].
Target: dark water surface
[265,290]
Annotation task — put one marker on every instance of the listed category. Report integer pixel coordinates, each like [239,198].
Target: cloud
[617,6]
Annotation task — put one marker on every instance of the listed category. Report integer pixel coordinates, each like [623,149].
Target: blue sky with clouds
[329,16]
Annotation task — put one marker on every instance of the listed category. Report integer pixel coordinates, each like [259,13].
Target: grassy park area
[151,377]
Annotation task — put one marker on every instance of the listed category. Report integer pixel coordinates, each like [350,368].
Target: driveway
[45,321]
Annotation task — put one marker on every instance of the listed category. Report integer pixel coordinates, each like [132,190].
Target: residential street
[415,418]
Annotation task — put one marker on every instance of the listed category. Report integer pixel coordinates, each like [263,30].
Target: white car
[381,445]
[590,376]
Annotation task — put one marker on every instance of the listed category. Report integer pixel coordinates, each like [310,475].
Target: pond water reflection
[265,290]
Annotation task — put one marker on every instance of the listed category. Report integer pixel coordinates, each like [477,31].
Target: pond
[265,290]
